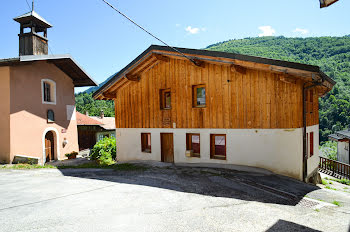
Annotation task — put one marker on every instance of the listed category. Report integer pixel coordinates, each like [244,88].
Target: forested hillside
[85,103]
[332,54]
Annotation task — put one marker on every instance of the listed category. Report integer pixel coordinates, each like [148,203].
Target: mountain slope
[332,54]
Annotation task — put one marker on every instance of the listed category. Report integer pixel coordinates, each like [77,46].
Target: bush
[329,150]
[104,151]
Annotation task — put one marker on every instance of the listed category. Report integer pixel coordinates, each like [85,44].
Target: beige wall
[28,113]
[4,114]
[277,150]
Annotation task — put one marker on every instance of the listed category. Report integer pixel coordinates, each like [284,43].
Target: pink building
[37,93]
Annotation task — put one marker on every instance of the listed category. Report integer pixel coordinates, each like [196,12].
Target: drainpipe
[313,84]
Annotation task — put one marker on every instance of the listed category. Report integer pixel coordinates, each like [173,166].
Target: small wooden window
[146,142]
[193,144]
[50,116]
[218,146]
[165,99]
[199,99]
[311,144]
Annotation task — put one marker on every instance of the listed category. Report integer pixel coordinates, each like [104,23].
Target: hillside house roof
[84,120]
[340,135]
[156,52]
[64,62]
[107,123]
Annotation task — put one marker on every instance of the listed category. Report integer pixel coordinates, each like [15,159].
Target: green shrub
[329,150]
[105,151]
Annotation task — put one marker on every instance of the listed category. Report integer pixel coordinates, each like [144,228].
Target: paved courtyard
[165,199]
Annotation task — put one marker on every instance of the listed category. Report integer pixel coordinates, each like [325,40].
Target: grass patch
[324,182]
[342,181]
[317,210]
[328,187]
[337,203]
[118,167]
[26,166]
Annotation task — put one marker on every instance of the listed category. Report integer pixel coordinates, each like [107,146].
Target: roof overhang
[326,3]
[64,62]
[155,54]
[35,17]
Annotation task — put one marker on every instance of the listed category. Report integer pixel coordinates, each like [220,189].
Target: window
[311,144]
[48,89]
[217,146]
[193,144]
[50,116]
[199,96]
[165,99]
[311,101]
[146,142]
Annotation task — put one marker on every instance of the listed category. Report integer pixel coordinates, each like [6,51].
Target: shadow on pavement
[282,225]
[246,186]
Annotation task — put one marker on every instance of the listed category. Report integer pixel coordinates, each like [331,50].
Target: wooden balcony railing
[335,167]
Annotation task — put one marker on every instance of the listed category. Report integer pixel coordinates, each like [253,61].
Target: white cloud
[301,31]
[266,31]
[192,30]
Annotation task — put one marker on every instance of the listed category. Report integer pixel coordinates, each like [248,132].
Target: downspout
[314,84]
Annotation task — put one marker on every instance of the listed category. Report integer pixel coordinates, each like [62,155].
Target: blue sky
[103,42]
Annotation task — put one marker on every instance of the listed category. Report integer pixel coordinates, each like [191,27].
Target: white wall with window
[48,91]
[102,135]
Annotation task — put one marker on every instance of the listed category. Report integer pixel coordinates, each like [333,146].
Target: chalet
[207,107]
[93,129]
[37,97]
[342,138]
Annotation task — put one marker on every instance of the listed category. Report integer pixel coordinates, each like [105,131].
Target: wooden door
[167,147]
[49,146]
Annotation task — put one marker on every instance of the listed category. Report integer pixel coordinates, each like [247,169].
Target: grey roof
[334,137]
[339,135]
[215,54]
[32,15]
[108,123]
[344,133]
[64,62]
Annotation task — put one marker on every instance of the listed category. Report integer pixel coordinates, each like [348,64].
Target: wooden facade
[248,98]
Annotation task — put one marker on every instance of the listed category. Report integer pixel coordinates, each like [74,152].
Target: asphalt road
[165,199]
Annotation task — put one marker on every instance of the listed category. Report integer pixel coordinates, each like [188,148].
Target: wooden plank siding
[256,99]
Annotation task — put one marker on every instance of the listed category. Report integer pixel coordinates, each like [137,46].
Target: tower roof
[32,16]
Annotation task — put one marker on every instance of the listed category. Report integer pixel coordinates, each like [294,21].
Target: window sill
[219,157]
[49,103]
[165,108]
[146,152]
[199,107]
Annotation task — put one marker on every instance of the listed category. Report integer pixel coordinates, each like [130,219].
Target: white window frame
[52,91]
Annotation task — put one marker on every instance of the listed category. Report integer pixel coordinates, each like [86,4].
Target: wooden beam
[288,79]
[199,63]
[109,95]
[132,77]
[162,58]
[239,69]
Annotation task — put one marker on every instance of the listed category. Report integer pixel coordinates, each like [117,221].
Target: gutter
[305,156]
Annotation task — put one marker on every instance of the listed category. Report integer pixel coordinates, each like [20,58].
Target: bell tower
[33,34]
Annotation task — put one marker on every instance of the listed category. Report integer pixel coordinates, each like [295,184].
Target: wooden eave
[151,57]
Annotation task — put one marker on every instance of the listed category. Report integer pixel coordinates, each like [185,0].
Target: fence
[341,169]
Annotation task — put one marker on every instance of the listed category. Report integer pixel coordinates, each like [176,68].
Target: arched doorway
[49,146]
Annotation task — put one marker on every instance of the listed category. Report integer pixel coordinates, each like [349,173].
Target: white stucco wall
[343,152]
[313,161]
[277,150]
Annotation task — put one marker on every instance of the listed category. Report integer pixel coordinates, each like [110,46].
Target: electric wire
[132,21]
[28,5]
